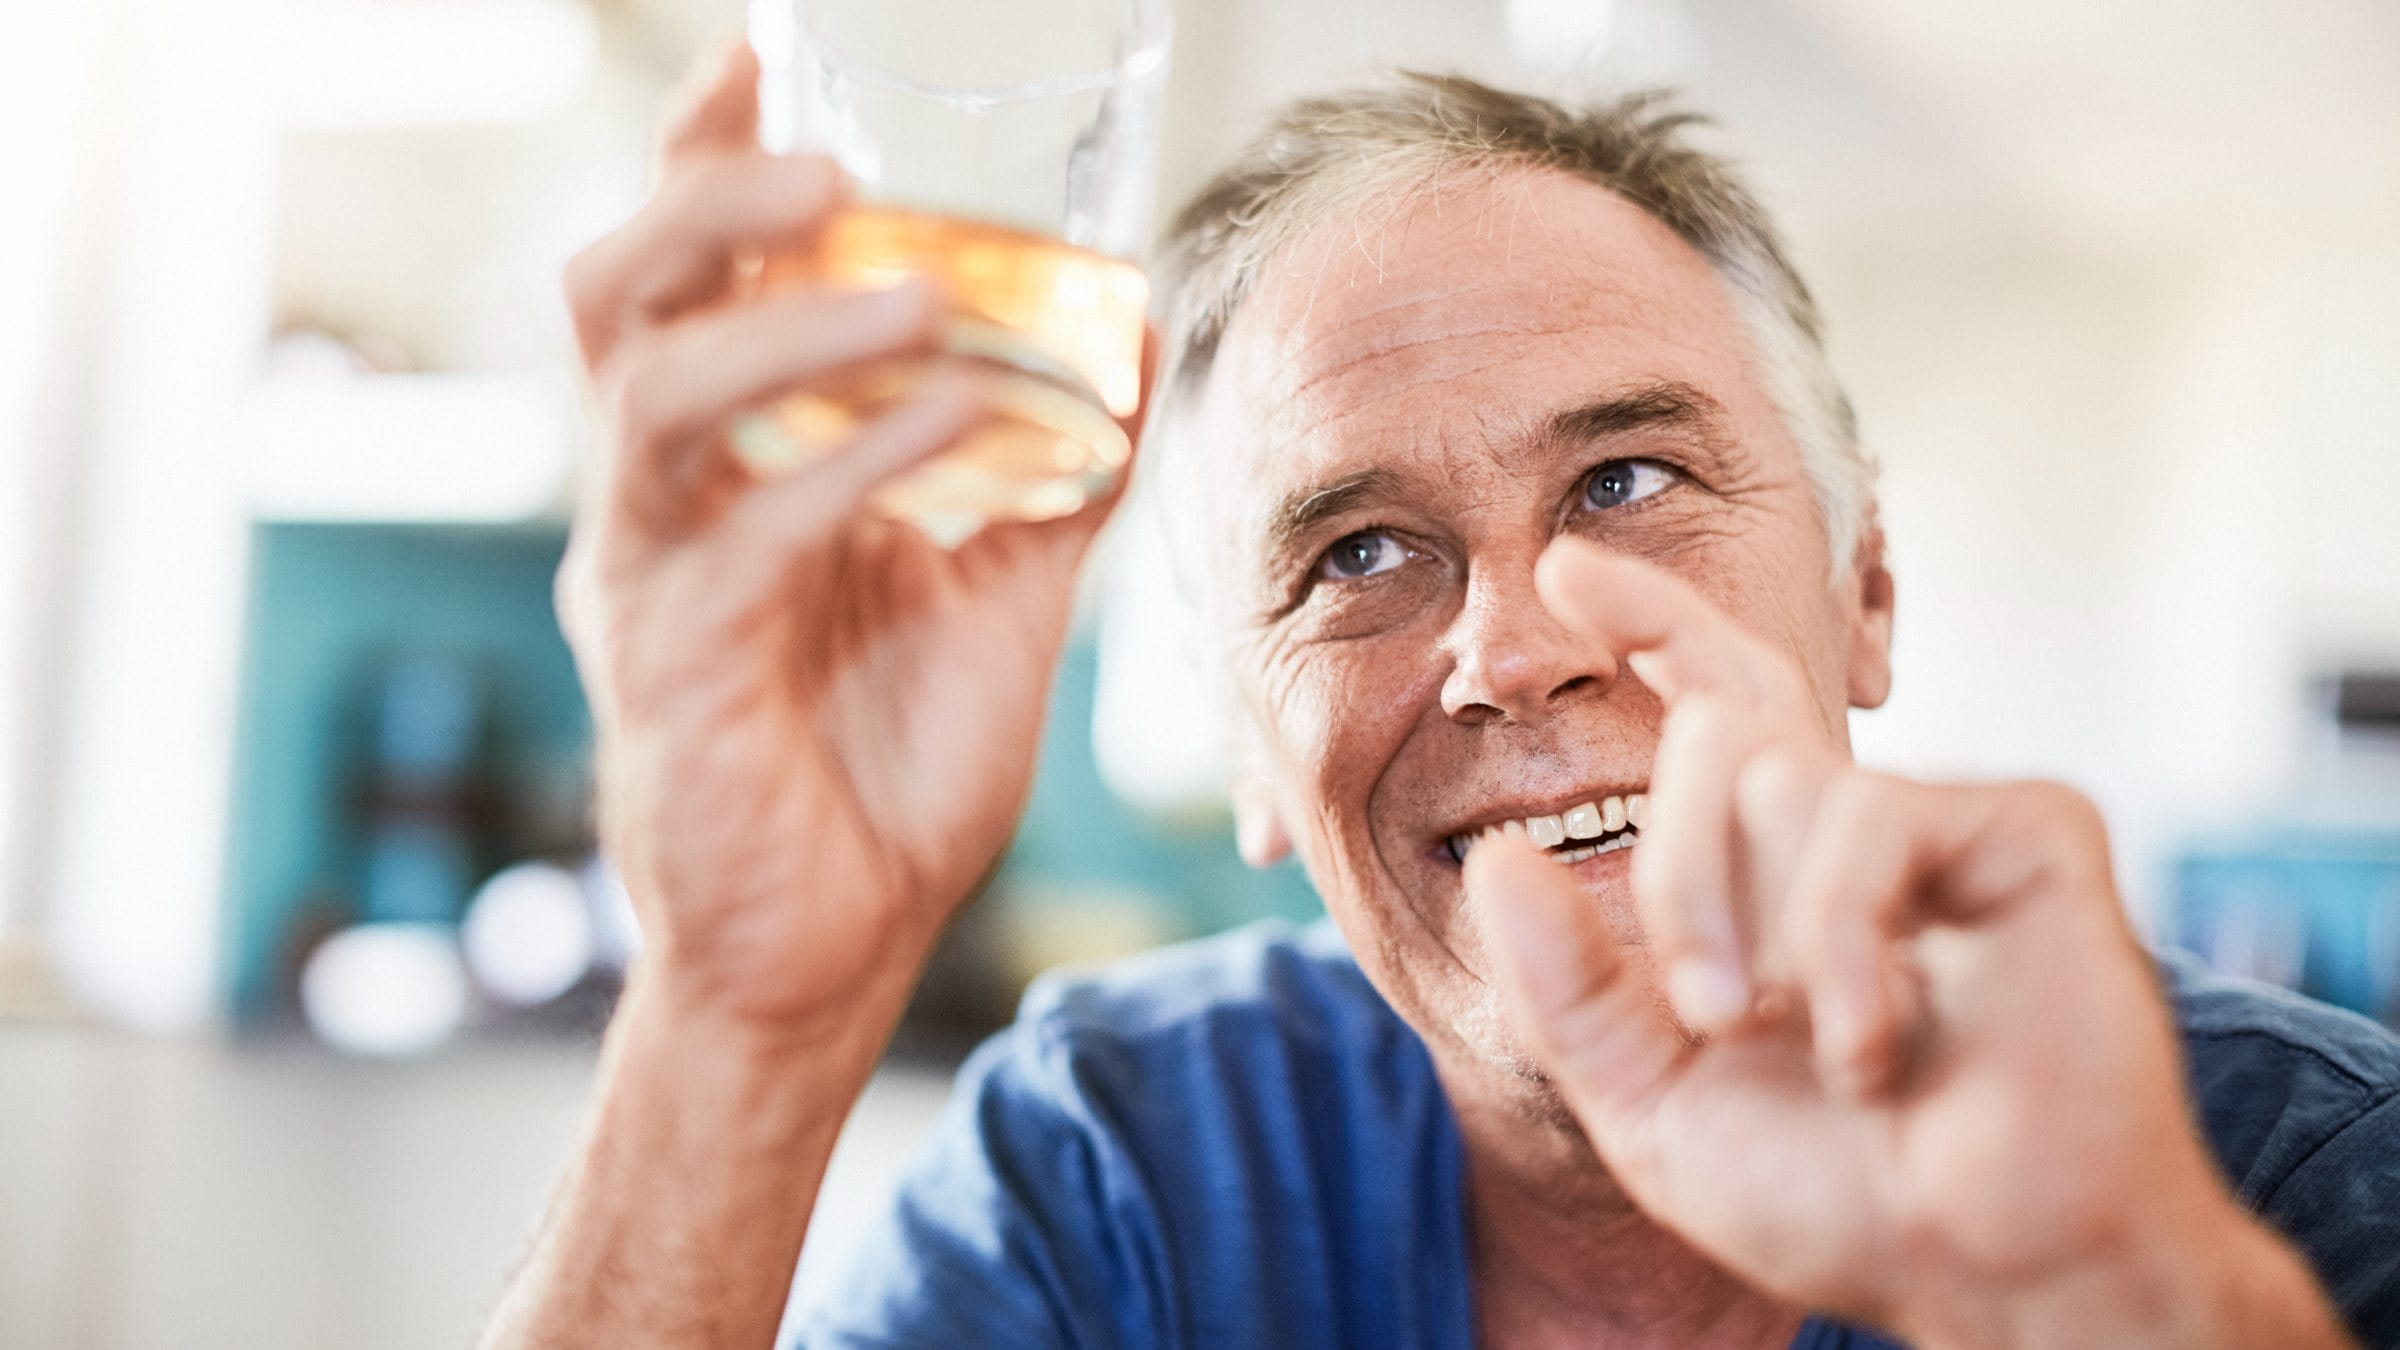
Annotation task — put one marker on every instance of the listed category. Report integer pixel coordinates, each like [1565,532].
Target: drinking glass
[1007,149]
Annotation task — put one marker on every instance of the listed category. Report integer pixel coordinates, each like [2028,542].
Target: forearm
[2230,1284]
[681,1217]
[2265,1297]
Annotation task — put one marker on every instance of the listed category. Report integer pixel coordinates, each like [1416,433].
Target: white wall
[156,581]
[2135,504]
[44,65]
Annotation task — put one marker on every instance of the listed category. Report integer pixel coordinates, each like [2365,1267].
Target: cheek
[1779,589]
[1337,716]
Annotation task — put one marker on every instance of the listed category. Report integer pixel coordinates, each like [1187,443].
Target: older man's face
[1400,419]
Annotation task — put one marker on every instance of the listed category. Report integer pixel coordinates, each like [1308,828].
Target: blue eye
[1621,482]
[1363,554]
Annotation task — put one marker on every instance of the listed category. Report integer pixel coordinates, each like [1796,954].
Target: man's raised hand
[816,728]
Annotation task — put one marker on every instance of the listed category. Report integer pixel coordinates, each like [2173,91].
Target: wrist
[782,1006]
[673,1020]
[2214,1278]
[699,1171]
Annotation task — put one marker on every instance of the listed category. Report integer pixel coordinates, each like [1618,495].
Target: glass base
[1045,452]
[1061,325]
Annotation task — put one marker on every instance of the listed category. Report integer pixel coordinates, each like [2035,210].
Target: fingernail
[902,312]
[1707,994]
[916,295]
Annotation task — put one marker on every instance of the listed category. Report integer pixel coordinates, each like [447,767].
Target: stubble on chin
[1489,1034]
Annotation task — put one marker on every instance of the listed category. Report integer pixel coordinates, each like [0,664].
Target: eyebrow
[1300,513]
[1668,402]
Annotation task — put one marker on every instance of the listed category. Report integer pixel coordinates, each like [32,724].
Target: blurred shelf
[411,448]
[333,606]
[2312,908]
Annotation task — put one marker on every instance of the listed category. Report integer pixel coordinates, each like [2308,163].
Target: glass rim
[1142,55]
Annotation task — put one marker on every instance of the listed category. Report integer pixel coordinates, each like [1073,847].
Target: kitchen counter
[161,1193]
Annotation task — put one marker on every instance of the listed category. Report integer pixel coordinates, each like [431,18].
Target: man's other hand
[1891,1049]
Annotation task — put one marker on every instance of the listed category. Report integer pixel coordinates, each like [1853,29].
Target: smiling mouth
[1585,830]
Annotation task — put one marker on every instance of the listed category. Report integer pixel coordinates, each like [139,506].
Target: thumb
[1588,1014]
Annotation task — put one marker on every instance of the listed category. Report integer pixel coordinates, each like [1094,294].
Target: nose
[1511,659]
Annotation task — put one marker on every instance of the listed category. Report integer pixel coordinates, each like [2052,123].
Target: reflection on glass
[1005,149]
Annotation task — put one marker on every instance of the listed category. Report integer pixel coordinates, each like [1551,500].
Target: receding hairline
[1385,141]
[1365,154]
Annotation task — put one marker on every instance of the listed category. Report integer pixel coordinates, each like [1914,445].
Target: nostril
[1580,682]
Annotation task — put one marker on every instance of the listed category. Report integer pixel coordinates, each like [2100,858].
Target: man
[1499,445]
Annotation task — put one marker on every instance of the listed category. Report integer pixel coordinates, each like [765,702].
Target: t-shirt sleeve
[2341,1206]
[1018,1228]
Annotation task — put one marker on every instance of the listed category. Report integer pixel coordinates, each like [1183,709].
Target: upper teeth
[1587,820]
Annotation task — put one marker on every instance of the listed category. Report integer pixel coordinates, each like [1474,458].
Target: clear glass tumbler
[1008,150]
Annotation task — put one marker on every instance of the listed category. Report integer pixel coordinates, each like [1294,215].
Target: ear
[1871,620]
[1257,830]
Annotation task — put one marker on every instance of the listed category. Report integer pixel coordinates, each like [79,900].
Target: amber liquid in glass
[1063,323]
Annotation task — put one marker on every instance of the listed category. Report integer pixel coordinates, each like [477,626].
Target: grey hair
[1365,149]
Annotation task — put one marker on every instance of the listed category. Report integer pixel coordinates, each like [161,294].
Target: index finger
[1729,695]
[1672,637]
[715,109]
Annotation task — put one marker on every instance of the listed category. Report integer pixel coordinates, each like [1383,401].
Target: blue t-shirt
[1236,1145]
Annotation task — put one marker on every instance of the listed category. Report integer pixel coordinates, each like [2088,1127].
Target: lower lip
[1595,861]
[1619,845]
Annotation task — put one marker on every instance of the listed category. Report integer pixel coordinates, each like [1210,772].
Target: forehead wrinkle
[1401,344]
[1295,419]
[1370,238]
[1427,309]
[1298,274]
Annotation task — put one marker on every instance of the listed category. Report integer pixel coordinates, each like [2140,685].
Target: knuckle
[683,124]
[680,134]
[569,587]
[588,281]
[796,186]
[689,188]
[577,279]
[2073,818]
[1772,780]
[581,597]
[2071,806]
[766,190]
[1886,795]
[636,392]
[2054,806]
[1702,718]
[574,622]
[1857,798]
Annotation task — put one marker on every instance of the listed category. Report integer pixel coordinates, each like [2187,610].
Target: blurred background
[303,945]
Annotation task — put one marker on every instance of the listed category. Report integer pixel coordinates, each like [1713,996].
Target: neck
[1562,1257]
